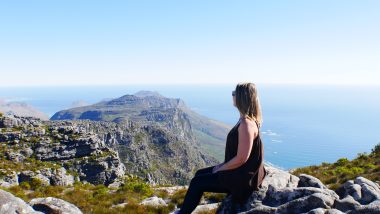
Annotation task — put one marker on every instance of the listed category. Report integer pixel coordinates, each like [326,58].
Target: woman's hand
[215,169]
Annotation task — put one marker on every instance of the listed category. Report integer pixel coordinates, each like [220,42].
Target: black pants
[203,181]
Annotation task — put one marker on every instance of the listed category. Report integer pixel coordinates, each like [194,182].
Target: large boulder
[13,205]
[282,192]
[52,205]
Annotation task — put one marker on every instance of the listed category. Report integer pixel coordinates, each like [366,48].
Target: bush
[35,183]
[342,161]
[25,185]
[376,149]
[138,186]
[179,196]
[362,156]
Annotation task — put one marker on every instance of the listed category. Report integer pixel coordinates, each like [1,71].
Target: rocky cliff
[95,151]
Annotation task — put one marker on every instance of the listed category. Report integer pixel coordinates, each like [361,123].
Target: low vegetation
[101,199]
[335,174]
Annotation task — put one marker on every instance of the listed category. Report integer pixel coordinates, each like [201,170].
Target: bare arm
[247,132]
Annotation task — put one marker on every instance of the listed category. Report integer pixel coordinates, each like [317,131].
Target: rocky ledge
[54,154]
[12,204]
[283,192]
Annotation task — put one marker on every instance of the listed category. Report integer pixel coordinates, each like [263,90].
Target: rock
[279,178]
[10,204]
[154,201]
[306,194]
[361,189]
[10,121]
[346,204]
[116,184]
[324,211]
[360,180]
[171,189]
[307,203]
[28,176]
[277,197]
[369,193]
[276,179]
[104,170]
[54,205]
[310,181]
[61,178]
[9,180]
[205,208]
[13,156]
[371,208]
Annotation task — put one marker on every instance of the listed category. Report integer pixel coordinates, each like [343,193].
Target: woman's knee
[204,170]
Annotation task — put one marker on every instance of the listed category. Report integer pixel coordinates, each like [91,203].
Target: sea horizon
[321,124]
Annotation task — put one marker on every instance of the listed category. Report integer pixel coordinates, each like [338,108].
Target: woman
[243,170]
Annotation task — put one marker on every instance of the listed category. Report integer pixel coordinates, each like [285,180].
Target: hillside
[335,174]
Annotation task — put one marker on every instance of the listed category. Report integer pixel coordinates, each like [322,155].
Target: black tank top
[248,177]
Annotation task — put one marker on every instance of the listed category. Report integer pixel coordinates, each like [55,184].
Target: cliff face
[149,151]
[32,149]
[96,152]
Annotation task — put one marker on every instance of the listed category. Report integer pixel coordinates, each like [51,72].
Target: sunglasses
[233,93]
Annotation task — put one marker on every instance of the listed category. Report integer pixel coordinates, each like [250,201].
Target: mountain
[21,109]
[151,108]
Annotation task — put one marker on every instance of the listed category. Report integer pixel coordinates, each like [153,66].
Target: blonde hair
[247,101]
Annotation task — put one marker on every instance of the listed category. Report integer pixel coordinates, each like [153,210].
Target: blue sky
[67,42]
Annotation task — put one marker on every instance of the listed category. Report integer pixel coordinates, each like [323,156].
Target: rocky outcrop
[282,192]
[149,151]
[55,154]
[12,205]
[54,205]
[48,176]
[153,201]
[95,151]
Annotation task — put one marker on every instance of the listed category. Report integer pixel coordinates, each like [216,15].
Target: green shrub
[362,156]
[376,149]
[179,196]
[35,183]
[214,197]
[25,185]
[342,161]
[138,186]
[357,170]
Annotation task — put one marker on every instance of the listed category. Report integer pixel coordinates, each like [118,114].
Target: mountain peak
[145,93]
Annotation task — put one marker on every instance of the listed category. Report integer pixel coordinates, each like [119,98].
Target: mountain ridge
[150,107]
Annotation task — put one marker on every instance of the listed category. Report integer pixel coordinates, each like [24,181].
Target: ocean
[302,124]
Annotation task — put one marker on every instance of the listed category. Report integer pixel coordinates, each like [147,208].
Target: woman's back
[247,177]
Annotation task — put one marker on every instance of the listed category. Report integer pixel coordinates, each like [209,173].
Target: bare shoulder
[249,125]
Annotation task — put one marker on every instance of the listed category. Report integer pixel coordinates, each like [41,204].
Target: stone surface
[154,201]
[10,204]
[52,205]
[282,192]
